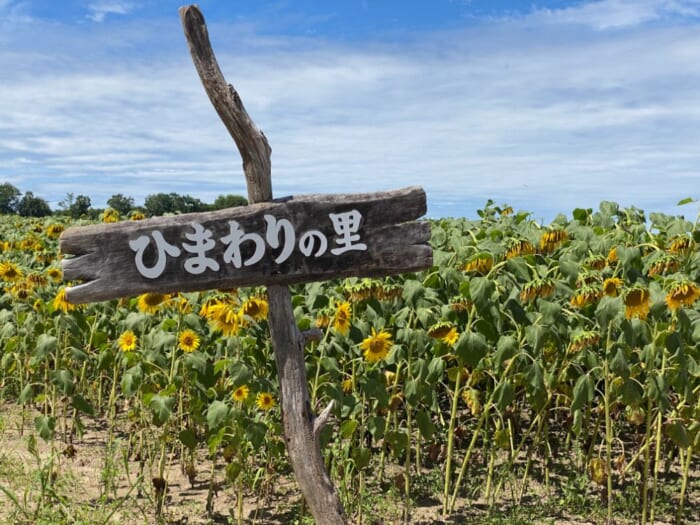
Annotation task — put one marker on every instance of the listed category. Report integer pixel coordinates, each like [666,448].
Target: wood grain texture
[104,260]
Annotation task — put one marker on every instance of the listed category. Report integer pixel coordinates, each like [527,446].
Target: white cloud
[100,9]
[545,120]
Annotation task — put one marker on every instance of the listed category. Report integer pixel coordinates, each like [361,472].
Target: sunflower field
[556,363]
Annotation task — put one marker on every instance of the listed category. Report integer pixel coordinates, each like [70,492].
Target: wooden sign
[286,241]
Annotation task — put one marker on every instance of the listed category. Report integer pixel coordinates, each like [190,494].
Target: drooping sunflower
[241,393]
[127,341]
[137,216]
[582,340]
[612,286]
[37,279]
[664,265]
[342,319]
[481,264]
[376,346]
[551,240]
[596,262]
[445,332]
[110,215]
[347,385]
[207,309]
[9,271]
[265,401]
[54,230]
[21,290]
[537,288]
[680,244]
[255,308]
[188,340]
[518,248]
[225,318]
[323,319]
[611,259]
[585,296]
[637,303]
[682,293]
[150,302]
[61,303]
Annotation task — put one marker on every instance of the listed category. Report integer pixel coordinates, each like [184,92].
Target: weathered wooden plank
[121,259]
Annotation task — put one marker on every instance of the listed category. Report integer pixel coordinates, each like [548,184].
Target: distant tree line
[14,202]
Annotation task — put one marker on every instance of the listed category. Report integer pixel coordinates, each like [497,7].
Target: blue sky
[542,105]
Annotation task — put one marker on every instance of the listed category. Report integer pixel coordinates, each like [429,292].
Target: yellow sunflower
[445,332]
[346,385]
[188,341]
[585,296]
[376,346]
[151,302]
[341,321]
[61,303]
[225,318]
[110,215]
[54,230]
[137,216]
[241,393]
[127,341]
[683,293]
[612,286]
[256,308]
[481,264]
[551,240]
[9,271]
[265,401]
[55,274]
[519,247]
[637,303]
[537,288]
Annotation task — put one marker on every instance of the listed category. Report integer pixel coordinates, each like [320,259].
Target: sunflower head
[612,286]
[682,293]
[265,401]
[481,264]
[551,240]
[151,302]
[240,394]
[637,303]
[343,317]
[110,215]
[376,346]
[9,271]
[54,230]
[60,302]
[256,308]
[188,340]
[127,341]
[680,244]
[518,248]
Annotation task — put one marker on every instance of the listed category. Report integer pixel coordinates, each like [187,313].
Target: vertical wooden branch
[301,428]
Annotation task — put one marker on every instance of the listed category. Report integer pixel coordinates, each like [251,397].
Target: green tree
[9,198]
[80,207]
[228,201]
[162,203]
[121,203]
[31,206]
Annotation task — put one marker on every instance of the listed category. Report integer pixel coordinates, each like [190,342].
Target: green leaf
[376,426]
[425,424]
[506,348]
[63,379]
[583,392]
[678,433]
[631,392]
[131,380]
[217,414]
[255,432]
[45,426]
[608,309]
[687,200]
[197,362]
[233,470]
[347,428]
[619,364]
[436,369]
[45,344]
[83,405]
[503,395]
[361,456]
[481,289]
[187,438]
[162,408]
[26,395]
[471,348]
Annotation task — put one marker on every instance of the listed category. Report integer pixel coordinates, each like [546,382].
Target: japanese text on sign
[278,233]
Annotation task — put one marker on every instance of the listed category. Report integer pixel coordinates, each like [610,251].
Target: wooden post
[301,428]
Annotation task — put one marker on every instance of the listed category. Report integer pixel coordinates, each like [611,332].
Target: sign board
[286,241]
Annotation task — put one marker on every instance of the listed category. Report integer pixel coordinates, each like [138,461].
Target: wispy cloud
[562,116]
[100,9]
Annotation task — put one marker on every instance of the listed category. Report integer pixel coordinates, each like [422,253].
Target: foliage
[121,203]
[9,198]
[31,206]
[162,203]
[567,353]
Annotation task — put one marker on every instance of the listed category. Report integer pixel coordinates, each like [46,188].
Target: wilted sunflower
[680,244]
[612,286]
[21,290]
[551,240]
[537,288]
[323,319]
[346,385]
[460,304]
[241,393]
[127,341]
[585,296]
[37,279]
[256,308]
[207,309]
[582,340]
[188,340]
[61,303]
[376,346]
[482,264]
[682,293]
[151,302]
[224,317]
[9,271]
[519,247]
[596,262]
[54,230]
[343,314]
[611,259]
[265,401]
[637,303]
[445,332]
[110,215]
[664,265]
